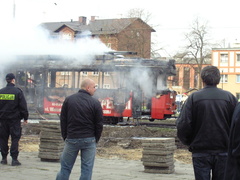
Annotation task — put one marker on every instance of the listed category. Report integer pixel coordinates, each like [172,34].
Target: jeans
[204,164]
[178,103]
[87,147]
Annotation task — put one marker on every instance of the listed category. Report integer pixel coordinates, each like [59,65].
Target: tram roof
[105,63]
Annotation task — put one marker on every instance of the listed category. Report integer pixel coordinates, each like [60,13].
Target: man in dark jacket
[233,161]
[81,127]
[204,124]
[13,108]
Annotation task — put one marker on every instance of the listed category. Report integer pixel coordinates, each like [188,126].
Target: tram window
[65,86]
[95,73]
[106,86]
[65,73]
[84,73]
[106,73]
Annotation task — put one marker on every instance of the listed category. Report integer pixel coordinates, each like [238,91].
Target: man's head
[88,85]
[210,75]
[10,77]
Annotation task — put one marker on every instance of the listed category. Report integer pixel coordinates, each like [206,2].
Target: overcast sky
[170,18]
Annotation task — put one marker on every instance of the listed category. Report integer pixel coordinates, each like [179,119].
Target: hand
[25,122]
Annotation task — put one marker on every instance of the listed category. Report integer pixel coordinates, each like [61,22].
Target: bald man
[81,127]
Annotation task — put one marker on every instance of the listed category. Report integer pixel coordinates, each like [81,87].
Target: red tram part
[109,110]
[163,106]
[52,106]
[116,104]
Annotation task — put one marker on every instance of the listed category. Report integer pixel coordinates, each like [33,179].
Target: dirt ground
[116,141]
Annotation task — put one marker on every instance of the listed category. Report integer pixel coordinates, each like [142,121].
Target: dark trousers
[206,165]
[10,128]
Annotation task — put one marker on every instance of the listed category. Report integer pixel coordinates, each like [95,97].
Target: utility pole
[14,9]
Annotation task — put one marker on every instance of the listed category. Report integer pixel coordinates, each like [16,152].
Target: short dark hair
[10,77]
[210,75]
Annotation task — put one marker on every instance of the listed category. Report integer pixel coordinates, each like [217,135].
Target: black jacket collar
[10,84]
[84,91]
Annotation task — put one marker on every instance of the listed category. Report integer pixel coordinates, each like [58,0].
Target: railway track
[169,123]
[162,125]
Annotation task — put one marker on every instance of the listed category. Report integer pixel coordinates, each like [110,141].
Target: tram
[126,87]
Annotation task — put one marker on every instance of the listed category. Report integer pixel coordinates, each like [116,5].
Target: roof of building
[96,27]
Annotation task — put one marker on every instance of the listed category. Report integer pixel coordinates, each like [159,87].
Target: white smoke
[161,82]
[18,38]
[23,39]
[142,78]
[145,79]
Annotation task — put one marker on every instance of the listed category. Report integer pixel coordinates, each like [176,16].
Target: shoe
[4,161]
[15,163]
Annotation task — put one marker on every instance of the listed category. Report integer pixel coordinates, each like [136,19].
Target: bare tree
[140,13]
[198,46]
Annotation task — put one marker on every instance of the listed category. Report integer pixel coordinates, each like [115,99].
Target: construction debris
[51,142]
[157,155]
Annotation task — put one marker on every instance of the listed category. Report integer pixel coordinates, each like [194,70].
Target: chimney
[83,20]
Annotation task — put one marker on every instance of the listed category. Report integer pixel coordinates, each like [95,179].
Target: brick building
[186,78]
[125,34]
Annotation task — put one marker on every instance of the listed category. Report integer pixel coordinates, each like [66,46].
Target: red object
[163,106]
[110,111]
[52,106]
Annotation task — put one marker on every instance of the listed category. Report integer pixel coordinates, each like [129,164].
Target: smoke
[141,78]
[23,39]
[18,38]
[147,80]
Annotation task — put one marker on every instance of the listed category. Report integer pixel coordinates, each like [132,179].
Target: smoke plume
[18,38]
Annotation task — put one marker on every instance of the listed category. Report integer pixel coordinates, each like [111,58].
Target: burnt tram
[136,87]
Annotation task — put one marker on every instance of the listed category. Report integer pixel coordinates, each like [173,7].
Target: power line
[182,28]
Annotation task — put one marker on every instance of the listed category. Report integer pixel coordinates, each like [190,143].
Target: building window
[109,45]
[238,96]
[106,86]
[65,73]
[106,74]
[66,36]
[238,57]
[224,78]
[224,58]
[95,73]
[238,78]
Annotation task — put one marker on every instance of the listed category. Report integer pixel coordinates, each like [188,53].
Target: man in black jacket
[233,161]
[13,108]
[204,124]
[81,122]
